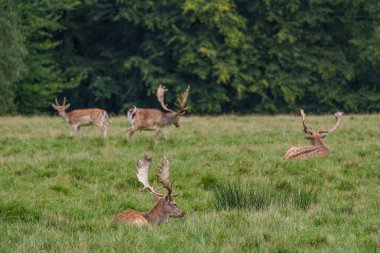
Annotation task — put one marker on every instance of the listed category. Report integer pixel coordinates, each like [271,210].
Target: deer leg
[157,131]
[102,127]
[105,129]
[131,130]
[157,134]
[73,130]
[79,132]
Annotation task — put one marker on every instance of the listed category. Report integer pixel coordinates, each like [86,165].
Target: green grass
[59,194]
[238,196]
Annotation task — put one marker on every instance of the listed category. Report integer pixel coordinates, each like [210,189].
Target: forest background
[239,56]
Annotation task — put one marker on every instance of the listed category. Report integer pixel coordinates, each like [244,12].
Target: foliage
[40,24]
[12,52]
[238,55]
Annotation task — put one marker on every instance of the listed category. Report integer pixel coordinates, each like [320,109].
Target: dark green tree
[12,52]
[271,56]
[40,25]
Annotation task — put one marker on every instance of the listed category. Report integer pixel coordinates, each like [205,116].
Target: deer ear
[309,137]
[155,196]
[54,106]
[67,106]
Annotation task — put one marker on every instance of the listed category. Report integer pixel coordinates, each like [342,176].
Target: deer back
[131,217]
[151,117]
[87,116]
[316,150]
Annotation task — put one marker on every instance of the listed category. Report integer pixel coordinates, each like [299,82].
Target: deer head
[61,108]
[318,148]
[316,136]
[166,206]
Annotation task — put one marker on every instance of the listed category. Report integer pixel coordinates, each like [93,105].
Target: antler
[160,96]
[338,118]
[181,103]
[163,176]
[64,102]
[142,173]
[305,129]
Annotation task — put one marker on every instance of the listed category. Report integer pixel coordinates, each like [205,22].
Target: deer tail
[131,114]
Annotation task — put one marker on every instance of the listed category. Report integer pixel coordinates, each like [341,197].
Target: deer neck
[157,215]
[66,116]
[170,117]
[317,142]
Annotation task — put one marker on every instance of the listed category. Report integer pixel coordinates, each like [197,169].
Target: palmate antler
[163,176]
[181,102]
[338,118]
[160,96]
[142,172]
[305,129]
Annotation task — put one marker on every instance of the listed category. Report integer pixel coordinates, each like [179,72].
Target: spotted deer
[153,118]
[82,117]
[317,148]
[165,207]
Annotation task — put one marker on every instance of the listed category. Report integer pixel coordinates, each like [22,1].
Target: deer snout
[176,124]
[178,214]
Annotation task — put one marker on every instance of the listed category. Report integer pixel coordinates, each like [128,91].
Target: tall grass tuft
[303,198]
[237,196]
[208,182]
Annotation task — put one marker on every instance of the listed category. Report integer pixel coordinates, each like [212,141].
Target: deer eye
[175,204]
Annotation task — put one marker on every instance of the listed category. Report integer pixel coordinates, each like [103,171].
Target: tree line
[266,56]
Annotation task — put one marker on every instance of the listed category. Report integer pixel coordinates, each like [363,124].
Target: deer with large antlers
[165,207]
[153,118]
[317,148]
[82,117]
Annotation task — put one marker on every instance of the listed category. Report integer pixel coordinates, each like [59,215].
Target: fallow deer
[317,148]
[165,207]
[83,117]
[145,118]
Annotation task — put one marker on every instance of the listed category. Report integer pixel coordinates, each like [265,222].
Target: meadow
[59,194]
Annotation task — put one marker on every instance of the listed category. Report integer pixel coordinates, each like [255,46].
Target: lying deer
[144,118]
[83,117]
[165,207]
[317,148]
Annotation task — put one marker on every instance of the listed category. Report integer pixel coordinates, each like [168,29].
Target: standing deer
[83,117]
[317,148]
[165,207]
[143,118]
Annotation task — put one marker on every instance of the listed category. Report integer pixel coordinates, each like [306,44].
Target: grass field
[59,194]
